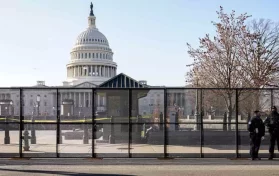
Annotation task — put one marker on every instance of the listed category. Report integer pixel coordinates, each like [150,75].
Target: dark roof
[122,81]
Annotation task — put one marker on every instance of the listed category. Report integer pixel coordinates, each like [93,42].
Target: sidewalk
[138,167]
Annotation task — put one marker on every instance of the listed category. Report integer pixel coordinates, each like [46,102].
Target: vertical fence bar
[165,123]
[57,124]
[271,97]
[236,124]
[20,123]
[130,128]
[201,124]
[93,123]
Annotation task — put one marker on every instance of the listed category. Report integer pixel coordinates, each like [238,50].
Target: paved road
[146,167]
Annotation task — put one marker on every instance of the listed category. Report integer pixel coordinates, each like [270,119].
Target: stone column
[61,98]
[98,100]
[75,99]
[91,70]
[102,70]
[78,71]
[95,70]
[106,71]
[104,100]
[89,99]
[79,99]
[84,99]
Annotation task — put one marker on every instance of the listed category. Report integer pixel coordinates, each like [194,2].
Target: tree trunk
[225,122]
[230,113]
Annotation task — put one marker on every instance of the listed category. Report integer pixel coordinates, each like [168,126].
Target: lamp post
[38,104]
[33,132]
[7,132]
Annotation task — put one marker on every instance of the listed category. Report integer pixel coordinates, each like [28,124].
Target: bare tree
[260,56]
[217,62]
[236,57]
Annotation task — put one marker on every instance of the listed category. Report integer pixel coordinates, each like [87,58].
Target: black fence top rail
[143,88]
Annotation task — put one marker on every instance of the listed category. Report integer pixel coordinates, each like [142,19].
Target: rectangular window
[89,55]
[85,55]
[97,55]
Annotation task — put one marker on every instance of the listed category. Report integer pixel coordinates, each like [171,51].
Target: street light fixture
[38,103]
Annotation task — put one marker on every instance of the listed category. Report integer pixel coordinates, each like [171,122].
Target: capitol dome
[91,56]
[92,36]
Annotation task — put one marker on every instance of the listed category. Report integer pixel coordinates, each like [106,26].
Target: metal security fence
[130,122]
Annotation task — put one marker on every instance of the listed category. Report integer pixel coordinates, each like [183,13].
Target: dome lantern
[91,18]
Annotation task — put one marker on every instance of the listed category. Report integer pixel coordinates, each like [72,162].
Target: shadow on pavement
[128,162]
[59,172]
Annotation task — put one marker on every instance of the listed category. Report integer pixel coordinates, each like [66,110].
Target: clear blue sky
[148,37]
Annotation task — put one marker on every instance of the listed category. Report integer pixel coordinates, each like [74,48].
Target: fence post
[20,123]
[165,123]
[236,124]
[7,132]
[93,123]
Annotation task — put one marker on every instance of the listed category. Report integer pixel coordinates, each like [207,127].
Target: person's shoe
[270,158]
[252,159]
[258,158]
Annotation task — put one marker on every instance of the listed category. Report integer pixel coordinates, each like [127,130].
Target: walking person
[257,131]
[272,123]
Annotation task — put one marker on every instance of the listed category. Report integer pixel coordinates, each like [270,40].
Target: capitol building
[91,65]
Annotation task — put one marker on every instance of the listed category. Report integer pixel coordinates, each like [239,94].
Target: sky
[148,37]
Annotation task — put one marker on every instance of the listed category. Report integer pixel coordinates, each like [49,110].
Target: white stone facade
[91,57]
[91,63]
